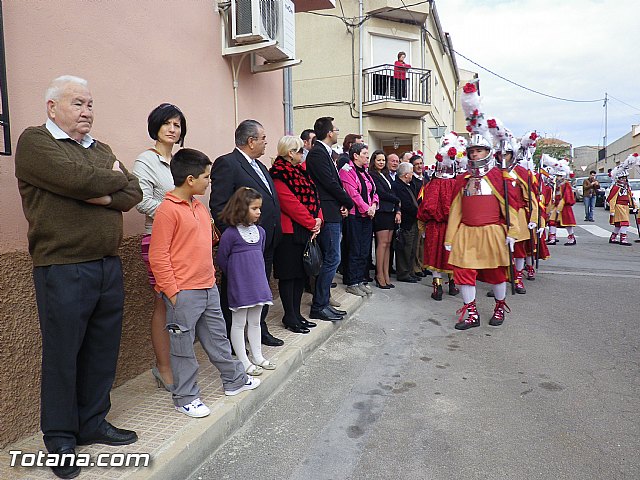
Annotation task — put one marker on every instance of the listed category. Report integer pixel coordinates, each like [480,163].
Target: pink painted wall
[135,56]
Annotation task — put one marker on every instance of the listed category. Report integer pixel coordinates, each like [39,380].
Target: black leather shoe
[306,323]
[271,341]
[110,435]
[296,328]
[334,284]
[335,311]
[408,280]
[325,314]
[65,470]
[420,274]
[415,277]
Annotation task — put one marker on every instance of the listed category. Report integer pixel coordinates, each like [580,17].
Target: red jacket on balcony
[400,70]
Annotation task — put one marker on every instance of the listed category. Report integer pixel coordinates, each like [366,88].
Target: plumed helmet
[620,172]
[446,165]
[477,127]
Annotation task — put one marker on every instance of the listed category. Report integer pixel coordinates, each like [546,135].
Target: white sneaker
[250,385]
[195,409]
[365,288]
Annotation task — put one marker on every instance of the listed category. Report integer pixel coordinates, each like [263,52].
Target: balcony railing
[381,85]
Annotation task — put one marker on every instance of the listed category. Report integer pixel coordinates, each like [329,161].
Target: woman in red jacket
[301,219]
[400,69]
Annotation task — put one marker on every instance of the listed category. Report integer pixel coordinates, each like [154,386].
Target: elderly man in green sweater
[74,191]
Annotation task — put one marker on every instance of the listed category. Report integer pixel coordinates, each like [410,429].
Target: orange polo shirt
[180,251]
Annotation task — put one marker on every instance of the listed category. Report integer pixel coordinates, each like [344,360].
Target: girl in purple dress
[240,255]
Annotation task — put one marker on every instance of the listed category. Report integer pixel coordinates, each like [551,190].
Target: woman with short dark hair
[166,125]
[359,186]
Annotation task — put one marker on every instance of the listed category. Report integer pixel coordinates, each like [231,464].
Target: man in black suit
[406,251]
[335,204]
[241,168]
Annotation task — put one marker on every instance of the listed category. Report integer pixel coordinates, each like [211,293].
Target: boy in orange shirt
[181,261]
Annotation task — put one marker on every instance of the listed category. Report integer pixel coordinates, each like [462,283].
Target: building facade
[347,73]
[135,56]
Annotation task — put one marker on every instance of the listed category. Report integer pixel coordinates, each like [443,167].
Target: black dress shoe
[67,468]
[306,323]
[296,328]
[325,314]
[110,435]
[415,277]
[420,274]
[271,341]
[408,280]
[334,284]
[335,311]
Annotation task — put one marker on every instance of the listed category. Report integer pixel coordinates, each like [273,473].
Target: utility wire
[624,103]
[406,6]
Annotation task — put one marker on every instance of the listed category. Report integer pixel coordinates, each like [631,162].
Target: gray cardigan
[154,175]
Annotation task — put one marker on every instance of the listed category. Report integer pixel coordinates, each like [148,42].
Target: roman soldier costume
[562,199]
[620,201]
[433,213]
[478,236]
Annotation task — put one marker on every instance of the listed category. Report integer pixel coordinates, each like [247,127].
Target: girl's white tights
[250,317]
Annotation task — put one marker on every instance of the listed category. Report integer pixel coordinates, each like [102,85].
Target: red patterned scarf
[298,181]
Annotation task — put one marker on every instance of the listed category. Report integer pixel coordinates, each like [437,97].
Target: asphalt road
[397,393]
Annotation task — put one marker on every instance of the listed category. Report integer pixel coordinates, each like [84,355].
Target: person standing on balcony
[400,76]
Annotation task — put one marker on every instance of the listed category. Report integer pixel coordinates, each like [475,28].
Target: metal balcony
[386,95]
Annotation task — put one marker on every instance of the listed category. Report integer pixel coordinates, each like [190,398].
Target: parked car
[577,187]
[605,182]
[634,184]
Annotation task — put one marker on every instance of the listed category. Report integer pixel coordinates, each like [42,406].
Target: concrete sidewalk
[178,444]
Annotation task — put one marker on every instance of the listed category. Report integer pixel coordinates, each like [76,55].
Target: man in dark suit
[405,252]
[241,168]
[335,204]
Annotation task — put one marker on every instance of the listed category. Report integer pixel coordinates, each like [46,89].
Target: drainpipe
[235,69]
[423,54]
[288,100]
[360,86]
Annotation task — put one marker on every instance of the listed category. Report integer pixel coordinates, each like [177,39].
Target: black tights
[291,296]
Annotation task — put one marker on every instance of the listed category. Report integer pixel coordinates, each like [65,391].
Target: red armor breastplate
[480,210]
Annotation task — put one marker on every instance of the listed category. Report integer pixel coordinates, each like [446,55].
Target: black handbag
[312,258]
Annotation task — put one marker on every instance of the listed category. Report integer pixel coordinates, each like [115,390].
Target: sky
[575,49]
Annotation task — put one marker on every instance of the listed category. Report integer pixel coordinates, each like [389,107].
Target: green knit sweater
[54,177]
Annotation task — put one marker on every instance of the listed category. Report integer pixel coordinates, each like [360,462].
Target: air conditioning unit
[255,21]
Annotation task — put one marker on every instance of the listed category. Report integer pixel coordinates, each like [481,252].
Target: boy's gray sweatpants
[197,313]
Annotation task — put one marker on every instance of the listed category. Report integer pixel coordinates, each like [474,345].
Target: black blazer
[324,174]
[408,206]
[388,200]
[232,171]
[417,185]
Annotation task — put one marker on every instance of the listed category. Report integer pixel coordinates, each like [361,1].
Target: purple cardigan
[243,265]
[353,187]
